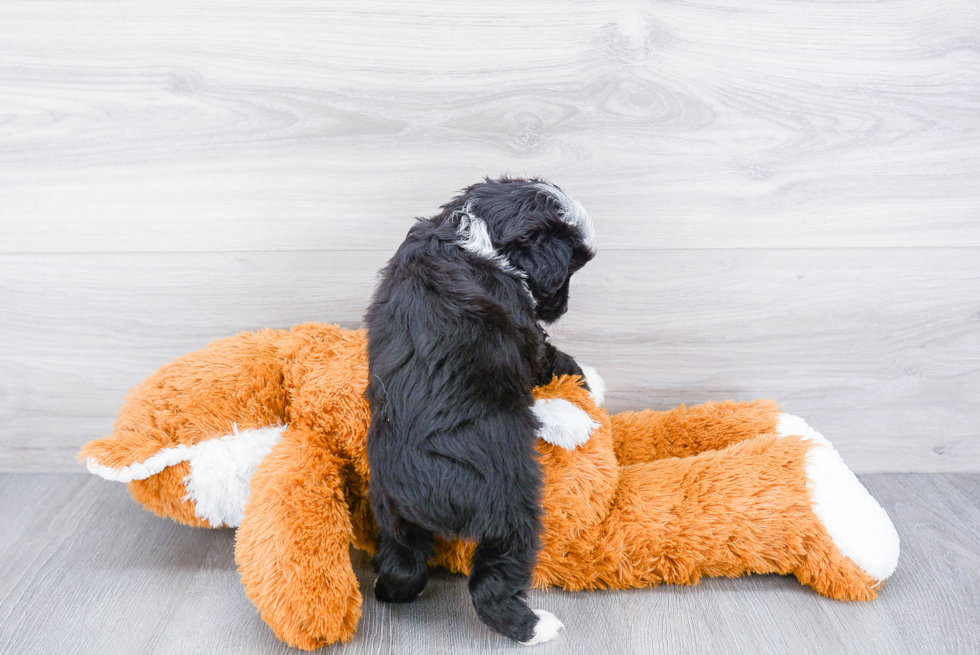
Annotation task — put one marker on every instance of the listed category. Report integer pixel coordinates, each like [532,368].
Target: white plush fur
[546,629]
[857,524]
[140,470]
[564,424]
[220,472]
[597,386]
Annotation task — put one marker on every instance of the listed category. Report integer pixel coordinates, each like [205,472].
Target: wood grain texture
[786,195]
[879,349]
[87,571]
[188,126]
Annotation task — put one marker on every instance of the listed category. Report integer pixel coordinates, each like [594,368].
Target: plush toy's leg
[292,546]
[771,504]
[683,431]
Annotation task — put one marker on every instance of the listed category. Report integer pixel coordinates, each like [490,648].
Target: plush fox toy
[267,431]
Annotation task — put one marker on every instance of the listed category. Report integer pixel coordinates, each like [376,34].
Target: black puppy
[455,347]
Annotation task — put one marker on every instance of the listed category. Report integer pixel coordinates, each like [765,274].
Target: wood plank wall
[786,194]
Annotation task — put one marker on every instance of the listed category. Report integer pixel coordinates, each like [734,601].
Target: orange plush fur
[650,497]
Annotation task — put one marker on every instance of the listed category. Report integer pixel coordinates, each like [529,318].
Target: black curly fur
[455,347]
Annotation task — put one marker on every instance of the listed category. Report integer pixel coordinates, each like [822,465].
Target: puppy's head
[530,227]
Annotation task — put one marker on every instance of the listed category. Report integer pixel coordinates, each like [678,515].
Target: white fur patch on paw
[562,423]
[857,524]
[546,629]
[597,386]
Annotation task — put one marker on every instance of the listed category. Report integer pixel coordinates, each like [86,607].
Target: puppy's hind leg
[501,573]
[401,561]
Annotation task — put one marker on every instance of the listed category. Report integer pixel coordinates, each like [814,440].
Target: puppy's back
[448,385]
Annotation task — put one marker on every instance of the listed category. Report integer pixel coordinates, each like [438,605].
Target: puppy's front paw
[546,629]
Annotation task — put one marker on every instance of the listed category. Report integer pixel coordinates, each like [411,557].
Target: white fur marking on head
[856,523]
[573,213]
[597,386]
[474,234]
[563,424]
[546,629]
[475,237]
[221,470]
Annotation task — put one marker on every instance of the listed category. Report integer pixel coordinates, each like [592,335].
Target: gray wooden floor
[84,570]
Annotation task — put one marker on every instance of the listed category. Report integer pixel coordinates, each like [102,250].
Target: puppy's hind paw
[546,629]
[388,589]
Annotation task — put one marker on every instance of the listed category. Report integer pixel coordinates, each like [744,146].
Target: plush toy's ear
[292,547]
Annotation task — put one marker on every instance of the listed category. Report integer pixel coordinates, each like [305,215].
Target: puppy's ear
[546,264]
